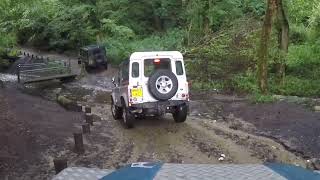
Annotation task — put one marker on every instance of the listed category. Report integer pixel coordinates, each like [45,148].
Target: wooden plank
[41,79]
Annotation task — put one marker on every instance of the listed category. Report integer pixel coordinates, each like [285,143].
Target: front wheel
[180,115]
[116,111]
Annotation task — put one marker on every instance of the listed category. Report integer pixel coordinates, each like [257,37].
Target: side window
[135,70]
[125,72]
[179,68]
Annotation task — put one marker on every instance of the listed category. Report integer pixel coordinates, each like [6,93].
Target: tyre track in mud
[199,141]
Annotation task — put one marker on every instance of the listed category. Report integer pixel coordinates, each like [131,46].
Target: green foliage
[209,15]
[256,7]
[111,28]
[259,98]
[7,40]
[295,86]
[298,34]
[120,48]
[303,61]
[299,11]
[315,16]
[221,57]
[219,38]
[7,43]
[246,83]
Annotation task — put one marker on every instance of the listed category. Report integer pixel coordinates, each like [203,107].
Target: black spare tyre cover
[163,85]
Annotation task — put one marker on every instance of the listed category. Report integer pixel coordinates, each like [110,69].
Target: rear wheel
[127,118]
[180,115]
[116,111]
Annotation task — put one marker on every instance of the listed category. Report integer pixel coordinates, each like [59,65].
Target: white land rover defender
[150,84]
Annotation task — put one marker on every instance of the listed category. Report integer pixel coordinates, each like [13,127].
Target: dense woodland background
[221,39]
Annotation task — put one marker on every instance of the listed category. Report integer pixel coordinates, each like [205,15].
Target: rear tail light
[156,61]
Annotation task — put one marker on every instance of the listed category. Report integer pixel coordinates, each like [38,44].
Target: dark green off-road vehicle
[93,56]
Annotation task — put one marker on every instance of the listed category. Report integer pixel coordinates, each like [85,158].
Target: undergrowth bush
[7,43]
[296,86]
[120,49]
[260,98]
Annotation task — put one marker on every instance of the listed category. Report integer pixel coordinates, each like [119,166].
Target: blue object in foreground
[135,171]
[291,172]
[159,171]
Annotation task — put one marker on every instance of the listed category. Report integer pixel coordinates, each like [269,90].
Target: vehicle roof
[152,54]
[91,47]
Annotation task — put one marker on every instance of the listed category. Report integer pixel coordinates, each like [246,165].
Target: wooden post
[78,143]
[60,164]
[69,65]
[18,72]
[89,119]
[86,128]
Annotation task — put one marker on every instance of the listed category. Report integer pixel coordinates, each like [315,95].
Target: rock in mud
[68,104]
[316,164]
[317,108]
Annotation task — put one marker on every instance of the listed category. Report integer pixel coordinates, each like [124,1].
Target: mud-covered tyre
[180,115]
[163,85]
[116,111]
[127,118]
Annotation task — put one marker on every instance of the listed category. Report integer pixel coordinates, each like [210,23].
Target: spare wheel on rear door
[163,85]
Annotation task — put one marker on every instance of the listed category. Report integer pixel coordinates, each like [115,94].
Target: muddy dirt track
[44,131]
[34,130]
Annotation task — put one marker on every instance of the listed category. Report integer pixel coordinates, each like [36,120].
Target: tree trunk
[158,24]
[264,44]
[283,39]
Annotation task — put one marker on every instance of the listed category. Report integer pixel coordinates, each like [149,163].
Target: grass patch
[260,98]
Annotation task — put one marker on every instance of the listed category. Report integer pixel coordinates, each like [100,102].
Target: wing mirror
[113,80]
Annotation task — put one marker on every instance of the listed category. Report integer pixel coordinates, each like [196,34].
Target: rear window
[135,70]
[179,68]
[152,65]
[97,51]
